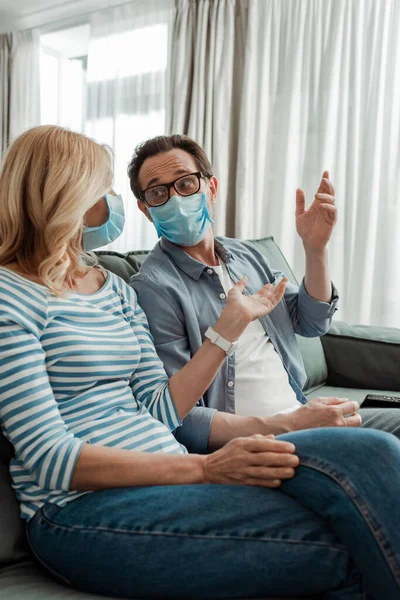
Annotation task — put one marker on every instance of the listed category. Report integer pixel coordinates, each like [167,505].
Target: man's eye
[157,192]
[186,183]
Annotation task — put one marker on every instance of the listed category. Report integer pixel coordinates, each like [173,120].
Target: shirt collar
[186,263]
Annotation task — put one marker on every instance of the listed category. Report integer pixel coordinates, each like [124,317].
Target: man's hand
[325,412]
[242,309]
[316,224]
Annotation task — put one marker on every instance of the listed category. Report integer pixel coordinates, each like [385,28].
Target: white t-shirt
[262,385]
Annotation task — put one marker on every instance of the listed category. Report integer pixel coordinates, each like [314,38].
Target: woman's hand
[256,460]
[240,310]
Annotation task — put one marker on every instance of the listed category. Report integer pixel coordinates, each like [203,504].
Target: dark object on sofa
[349,361]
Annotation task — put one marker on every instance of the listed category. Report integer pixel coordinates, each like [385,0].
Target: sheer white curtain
[283,89]
[127,65]
[322,91]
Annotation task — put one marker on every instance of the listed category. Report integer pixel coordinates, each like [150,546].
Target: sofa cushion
[13,543]
[357,394]
[29,582]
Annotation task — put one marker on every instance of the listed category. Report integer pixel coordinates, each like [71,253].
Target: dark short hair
[165,143]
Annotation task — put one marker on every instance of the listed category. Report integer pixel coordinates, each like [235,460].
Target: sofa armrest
[361,356]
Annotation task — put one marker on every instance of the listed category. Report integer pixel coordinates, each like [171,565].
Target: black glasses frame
[168,186]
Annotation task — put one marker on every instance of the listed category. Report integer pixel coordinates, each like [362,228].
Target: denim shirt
[182,297]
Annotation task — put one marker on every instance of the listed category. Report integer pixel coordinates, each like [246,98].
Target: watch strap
[218,340]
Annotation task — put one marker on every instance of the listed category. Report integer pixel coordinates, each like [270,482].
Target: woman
[113,504]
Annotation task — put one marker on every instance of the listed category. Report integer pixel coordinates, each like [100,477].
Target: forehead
[166,167]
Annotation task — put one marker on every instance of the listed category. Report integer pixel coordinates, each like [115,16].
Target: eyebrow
[181,171]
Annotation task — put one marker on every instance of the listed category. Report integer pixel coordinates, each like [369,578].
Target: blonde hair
[50,177]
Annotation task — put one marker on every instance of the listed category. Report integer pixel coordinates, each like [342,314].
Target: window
[107,79]
[63,68]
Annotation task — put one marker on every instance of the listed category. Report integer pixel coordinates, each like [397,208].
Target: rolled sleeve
[194,432]
[317,309]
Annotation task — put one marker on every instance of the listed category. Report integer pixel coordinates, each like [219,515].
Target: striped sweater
[76,369]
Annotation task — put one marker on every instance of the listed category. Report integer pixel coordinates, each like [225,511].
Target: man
[183,285]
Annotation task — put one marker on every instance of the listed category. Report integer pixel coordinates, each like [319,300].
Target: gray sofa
[348,361]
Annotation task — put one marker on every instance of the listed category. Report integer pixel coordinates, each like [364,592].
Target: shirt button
[209,271]
[222,296]
[230,383]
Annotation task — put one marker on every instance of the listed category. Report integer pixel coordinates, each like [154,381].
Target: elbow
[54,469]
[313,330]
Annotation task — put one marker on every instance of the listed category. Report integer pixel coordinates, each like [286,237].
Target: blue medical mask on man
[183,220]
[96,237]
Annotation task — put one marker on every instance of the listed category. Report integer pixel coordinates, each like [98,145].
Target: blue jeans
[333,530]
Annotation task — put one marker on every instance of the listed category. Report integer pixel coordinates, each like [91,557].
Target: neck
[204,251]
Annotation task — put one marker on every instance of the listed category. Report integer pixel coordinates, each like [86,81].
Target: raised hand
[315,225]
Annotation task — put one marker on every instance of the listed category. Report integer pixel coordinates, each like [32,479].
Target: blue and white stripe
[73,370]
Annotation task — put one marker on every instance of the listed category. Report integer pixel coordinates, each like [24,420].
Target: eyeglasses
[184,186]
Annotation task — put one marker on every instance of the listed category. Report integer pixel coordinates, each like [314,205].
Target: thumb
[241,284]
[300,202]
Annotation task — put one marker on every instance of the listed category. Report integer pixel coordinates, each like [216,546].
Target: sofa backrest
[13,544]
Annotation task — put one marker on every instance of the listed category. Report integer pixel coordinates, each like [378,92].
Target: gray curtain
[5,69]
[206,79]
[19,84]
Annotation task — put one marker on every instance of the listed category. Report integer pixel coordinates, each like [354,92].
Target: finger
[300,202]
[270,472]
[332,210]
[274,459]
[265,444]
[353,421]
[333,400]
[279,291]
[267,483]
[348,408]
[272,290]
[241,284]
[269,291]
[326,186]
[325,175]
[274,293]
[327,198]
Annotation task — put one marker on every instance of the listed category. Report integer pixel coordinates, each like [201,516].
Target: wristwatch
[218,340]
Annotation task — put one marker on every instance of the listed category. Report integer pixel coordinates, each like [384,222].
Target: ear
[143,208]
[213,182]
[97,215]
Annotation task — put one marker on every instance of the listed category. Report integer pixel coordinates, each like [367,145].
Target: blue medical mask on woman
[96,237]
[183,220]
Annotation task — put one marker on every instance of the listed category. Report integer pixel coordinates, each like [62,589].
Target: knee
[361,446]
